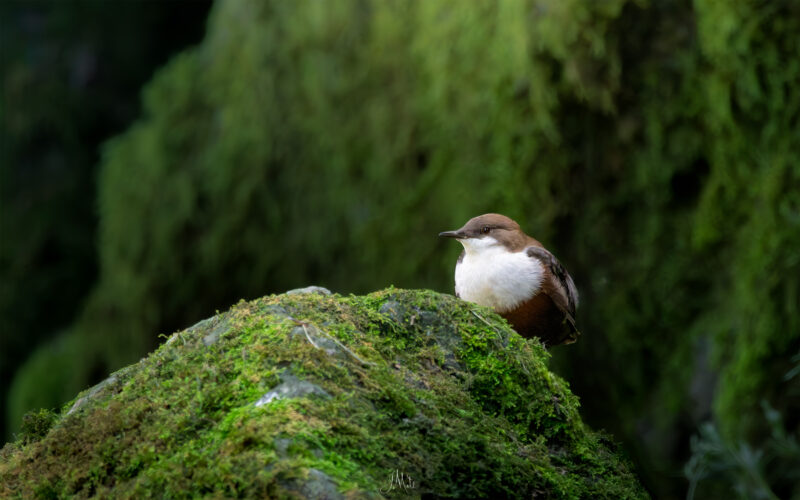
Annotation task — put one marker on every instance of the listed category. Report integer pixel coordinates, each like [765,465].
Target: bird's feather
[460,258]
[562,292]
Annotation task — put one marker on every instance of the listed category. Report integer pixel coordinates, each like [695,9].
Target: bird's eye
[485,229]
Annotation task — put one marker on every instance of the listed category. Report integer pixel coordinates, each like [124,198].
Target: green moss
[398,380]
[36,424]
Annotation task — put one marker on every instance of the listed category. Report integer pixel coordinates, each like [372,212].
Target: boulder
[308,395]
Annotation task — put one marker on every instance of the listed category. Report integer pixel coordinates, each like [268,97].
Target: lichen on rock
[324,396]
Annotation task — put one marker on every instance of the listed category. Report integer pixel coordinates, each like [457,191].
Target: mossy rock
[397,393]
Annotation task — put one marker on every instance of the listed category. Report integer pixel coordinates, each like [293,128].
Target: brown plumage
[504,268]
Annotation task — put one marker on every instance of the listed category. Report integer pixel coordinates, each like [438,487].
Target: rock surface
[395,394]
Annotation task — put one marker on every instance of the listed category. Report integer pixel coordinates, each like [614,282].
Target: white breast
[497,278]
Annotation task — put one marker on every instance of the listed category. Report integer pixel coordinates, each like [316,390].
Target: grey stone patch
[321,340]
[449,341]
[282,447]
[316,486]
[275,310]
[318,340]
[201,325]
[414,316]
[93,392]
[395,310]
[217,326]
[172,338]
[291,387]
[451,363]
[310,289]
[434,329]
[428,319]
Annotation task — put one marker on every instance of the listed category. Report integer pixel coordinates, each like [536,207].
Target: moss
[358,387]
[36,424]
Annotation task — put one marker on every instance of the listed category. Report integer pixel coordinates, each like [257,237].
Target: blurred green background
[653,146]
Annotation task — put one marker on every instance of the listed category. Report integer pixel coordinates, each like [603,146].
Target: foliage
[649,145]
[718,469]
[70,71]
[408,381]
[36,424]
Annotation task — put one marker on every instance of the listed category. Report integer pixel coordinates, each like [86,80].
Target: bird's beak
[459,235]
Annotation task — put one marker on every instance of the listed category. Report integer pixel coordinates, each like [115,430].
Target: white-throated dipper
[507,270]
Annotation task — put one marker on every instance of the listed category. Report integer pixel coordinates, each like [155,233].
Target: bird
[503,268]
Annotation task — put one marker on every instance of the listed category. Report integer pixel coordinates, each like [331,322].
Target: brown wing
[561,289]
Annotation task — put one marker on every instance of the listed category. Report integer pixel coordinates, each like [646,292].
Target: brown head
[490,230]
